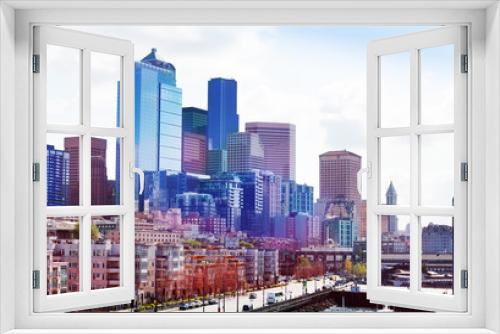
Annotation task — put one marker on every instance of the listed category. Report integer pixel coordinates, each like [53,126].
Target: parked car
[184,307]
[212,301]
[197,303]
[253,295]
[247,308]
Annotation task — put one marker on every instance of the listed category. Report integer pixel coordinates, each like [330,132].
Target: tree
[245,244]
[194,243]
[348,266]
[359,270]
[94,232]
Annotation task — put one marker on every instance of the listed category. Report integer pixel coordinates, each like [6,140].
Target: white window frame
[16,20]
[411,44]
[85,298]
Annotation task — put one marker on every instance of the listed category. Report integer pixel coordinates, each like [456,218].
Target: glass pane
[105,237]
[63,169]
[395,251]
[395,170]
[395,90]
[63,250]
[104,90]
[436,85]
[63,85]
[437,254]
[105,164]
[437,169]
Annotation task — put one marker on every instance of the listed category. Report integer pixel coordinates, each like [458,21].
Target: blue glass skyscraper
[223,118]
[57,176]
[158,115]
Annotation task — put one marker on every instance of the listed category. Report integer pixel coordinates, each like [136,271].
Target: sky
[313,77]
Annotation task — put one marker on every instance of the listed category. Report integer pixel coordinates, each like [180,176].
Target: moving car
[275,297]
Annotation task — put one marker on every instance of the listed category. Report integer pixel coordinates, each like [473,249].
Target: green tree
[94,232]
[194,243]
[348,266]
[359,270]
[245,244]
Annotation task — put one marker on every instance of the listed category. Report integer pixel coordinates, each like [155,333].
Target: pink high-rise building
[194,153]
[338,176]
[278,141]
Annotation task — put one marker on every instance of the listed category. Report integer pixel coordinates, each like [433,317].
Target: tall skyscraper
[304,198]
[158,115]
[194,153]
[253,202]
[390,223]
[278,141]
[57,176]
[72,146]
[272,201]
[194,140]
[101,192]
[244,152]
[223,118]
[194,120]
[216,162]
[338,175]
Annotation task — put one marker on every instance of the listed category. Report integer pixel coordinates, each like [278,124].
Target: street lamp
[204,263]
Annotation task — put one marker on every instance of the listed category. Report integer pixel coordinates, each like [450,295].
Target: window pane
[171,130]
[104,90]
[437,254]
[63,169]
[395,170]
[437,169]
[436,85]
[63,250]
[63,85]
[105,164]
[105,237]
[395,90]
[395,251]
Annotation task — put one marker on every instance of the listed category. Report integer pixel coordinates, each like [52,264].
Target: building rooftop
[155,61]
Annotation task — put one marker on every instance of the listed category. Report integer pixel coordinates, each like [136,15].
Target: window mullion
[85,177]
[414,171]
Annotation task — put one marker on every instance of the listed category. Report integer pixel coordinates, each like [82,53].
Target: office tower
[272,201]
[339,232]
[390,223]
[201,204]
[437,239]
[158,115]
[278,141]
[362,219]
[216,162]
[338,224]
[72,146]
[253,202]
[194,153]
[298,225]
[338,175]
[194,140]
[228,196]
[244,152]
[223,118]
[194,120]
[57,176]
[304,198]
[161,188]
[101,193]
[296,197]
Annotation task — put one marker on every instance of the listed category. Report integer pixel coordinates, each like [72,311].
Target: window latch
[465,64]
[134,170]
